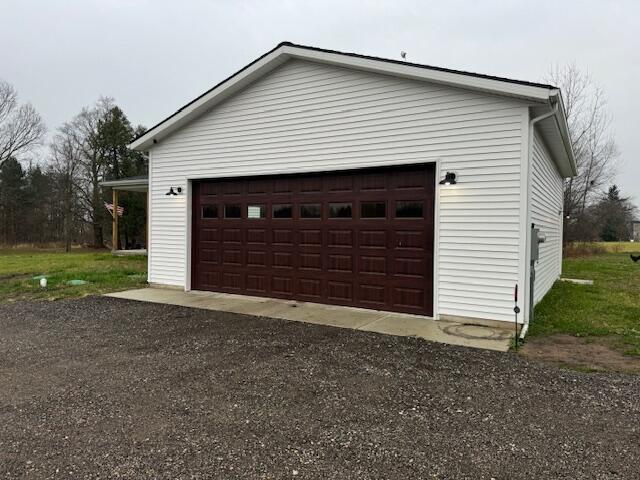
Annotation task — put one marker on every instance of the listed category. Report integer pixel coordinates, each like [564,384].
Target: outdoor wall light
[449,179]
[177,191]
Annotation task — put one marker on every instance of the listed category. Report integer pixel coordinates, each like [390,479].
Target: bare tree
[21,127]
[66,163]
[94,163]
[592,140]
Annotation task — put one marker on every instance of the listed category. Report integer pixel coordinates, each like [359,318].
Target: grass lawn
[608,311]
[103,272]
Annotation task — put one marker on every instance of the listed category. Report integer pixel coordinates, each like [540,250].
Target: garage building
[337,178]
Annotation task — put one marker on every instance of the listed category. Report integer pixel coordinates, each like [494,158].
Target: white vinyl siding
[546,213]
[309,117]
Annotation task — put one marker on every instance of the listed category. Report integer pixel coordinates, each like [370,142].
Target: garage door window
[409,209]
[373,210]
[256,211]
[311,210]
[232,211]
[339,210]
[209,211]
[282,211]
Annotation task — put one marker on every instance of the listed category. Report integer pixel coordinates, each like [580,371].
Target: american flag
[109,206]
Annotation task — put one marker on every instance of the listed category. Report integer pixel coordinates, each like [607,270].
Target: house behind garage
[338,178]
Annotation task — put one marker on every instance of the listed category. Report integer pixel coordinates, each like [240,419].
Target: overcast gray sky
[153,56]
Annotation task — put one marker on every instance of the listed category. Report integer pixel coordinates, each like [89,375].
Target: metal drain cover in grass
[75,283]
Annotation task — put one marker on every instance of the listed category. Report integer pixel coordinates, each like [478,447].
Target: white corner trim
[149,221]
[436,240]
[188,234]
[523,250]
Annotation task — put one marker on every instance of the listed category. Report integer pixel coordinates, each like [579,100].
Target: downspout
[532,122]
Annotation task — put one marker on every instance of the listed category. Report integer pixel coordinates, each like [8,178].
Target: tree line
[58,198]
[594,208]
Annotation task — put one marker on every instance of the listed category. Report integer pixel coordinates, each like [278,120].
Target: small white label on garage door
[255,211]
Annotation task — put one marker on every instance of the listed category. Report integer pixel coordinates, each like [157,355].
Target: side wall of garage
[310,117]
[546,212]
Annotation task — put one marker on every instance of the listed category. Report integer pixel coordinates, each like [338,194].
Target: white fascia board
[561,119]
[285,52]
[208,100]
[126,183]
[499,87]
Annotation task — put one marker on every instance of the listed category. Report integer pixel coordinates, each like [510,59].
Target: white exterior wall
[546,212]
[306,117]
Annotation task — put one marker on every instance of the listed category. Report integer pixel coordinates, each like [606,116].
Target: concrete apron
[453,333]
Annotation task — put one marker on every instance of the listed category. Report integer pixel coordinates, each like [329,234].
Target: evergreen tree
[12,196]
[115,133]
[37,199]
[614,215]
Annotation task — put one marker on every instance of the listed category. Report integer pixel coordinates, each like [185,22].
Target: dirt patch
[14,277]
[589,353]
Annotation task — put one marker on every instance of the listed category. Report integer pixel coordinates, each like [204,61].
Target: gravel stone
[109,388]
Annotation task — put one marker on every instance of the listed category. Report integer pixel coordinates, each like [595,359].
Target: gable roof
[538,93]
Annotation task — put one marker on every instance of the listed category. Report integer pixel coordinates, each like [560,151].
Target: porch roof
[130,184]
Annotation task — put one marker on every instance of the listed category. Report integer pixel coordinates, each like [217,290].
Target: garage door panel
[409,239]
[210,235]
[282,285]
[340,263]
[232,236]
[283,185]
[257,284]
[210,280]
[407,180]
[310,288]
[283,237]
[375,296]
[310,185]
[340,291]
[310,238]
[373,265]
[340,237]
[232,281]
[304,238]
[232,258]
[259,187]
[210,255]
[408,297]
[282,260]
[257,236]
[232,188]
[339,183]
[373,182]
[310,261]
[257,259]
[374,239]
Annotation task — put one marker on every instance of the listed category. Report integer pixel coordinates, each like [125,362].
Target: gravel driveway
[110,388]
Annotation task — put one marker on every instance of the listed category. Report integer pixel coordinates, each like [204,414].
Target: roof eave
[224,89]
[555,96]
[134,184]
[417,72]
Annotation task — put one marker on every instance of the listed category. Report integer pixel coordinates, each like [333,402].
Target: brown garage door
[362,238]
